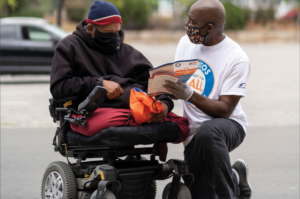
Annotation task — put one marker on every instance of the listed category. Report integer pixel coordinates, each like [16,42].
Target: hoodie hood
[82,33]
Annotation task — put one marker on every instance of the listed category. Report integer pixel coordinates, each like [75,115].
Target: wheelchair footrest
[136,185]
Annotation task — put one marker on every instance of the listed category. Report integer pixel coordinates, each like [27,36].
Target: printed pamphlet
[177,71]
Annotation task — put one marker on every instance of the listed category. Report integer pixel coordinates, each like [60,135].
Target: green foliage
[27,8]
[11,3]
[247,13]
[264,15]
[76,11]
[290,0]
[28,13]
[235,17]
[135,13]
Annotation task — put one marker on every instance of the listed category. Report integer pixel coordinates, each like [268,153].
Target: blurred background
[267,30]
[169,15]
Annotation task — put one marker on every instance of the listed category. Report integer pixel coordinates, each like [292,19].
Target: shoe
[245,188]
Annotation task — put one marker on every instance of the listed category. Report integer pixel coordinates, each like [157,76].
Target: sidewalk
[156,36]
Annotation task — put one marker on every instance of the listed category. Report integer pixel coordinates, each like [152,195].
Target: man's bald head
[207,11]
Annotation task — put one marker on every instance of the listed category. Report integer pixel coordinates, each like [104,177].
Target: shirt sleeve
[236,81]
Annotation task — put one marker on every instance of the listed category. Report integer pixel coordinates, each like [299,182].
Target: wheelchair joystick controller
[85,108]
[93,101]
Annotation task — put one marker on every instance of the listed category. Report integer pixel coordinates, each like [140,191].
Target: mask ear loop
[206,33]
[204,37]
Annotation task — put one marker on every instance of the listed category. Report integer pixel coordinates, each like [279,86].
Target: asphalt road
[271,147]
[272,154]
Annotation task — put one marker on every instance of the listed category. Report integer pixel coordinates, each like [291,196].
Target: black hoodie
[77,65]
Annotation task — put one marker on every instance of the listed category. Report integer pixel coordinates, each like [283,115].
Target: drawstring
[155,105]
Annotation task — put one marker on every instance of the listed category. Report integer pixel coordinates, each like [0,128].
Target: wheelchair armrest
[93,101]
[54,104]
[63,100]
[89,105]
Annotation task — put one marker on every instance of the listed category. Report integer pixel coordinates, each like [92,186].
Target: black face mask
[106,42]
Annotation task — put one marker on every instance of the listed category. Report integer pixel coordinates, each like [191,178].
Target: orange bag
[142,105]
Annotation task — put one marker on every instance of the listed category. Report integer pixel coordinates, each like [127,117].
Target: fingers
[118,91]
[179,82]
[157,117]
[174,97]
[170,84]
[170,89]
[113,93]
[114,89]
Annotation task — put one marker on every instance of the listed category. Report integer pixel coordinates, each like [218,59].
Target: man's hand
[159,117]
[179,90]
[114,90]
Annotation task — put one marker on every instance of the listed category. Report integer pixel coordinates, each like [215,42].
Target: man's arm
[231,92]
[215,108]
[65,84]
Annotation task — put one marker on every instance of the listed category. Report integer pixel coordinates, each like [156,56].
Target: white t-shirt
[223,70]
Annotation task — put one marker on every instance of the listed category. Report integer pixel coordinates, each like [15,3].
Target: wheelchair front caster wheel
[59,182]
[107,195]
[183,192]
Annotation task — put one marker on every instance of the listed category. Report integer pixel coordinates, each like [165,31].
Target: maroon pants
[104,118]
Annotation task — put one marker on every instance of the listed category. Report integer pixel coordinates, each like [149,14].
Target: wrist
[100,81]
[105,82]
[165,106]
[189,93]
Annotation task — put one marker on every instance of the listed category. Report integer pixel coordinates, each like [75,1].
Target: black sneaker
[245,188]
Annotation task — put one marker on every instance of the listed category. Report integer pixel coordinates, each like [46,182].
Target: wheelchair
[118,169]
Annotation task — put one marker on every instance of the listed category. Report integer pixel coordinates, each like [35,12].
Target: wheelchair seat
[110,143]
[118,137]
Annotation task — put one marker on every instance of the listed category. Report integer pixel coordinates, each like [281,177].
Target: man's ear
[210,28]
[90,29]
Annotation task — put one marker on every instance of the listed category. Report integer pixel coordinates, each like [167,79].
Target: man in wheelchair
[92,75]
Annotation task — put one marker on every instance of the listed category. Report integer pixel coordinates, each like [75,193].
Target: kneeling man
[211,102]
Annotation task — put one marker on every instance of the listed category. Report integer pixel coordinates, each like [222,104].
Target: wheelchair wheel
[153,190]
[183,192]
[107,195]
[59,182]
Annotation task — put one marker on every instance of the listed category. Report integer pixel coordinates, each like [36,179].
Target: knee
[205,135]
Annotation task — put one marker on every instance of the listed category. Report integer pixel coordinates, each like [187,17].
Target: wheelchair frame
[94,178]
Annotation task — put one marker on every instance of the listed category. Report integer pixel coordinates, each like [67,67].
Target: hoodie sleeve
[63,83]
[165,99]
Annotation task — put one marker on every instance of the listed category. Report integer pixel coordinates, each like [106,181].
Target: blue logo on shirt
[203,80]
[242,85]
[208,76]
